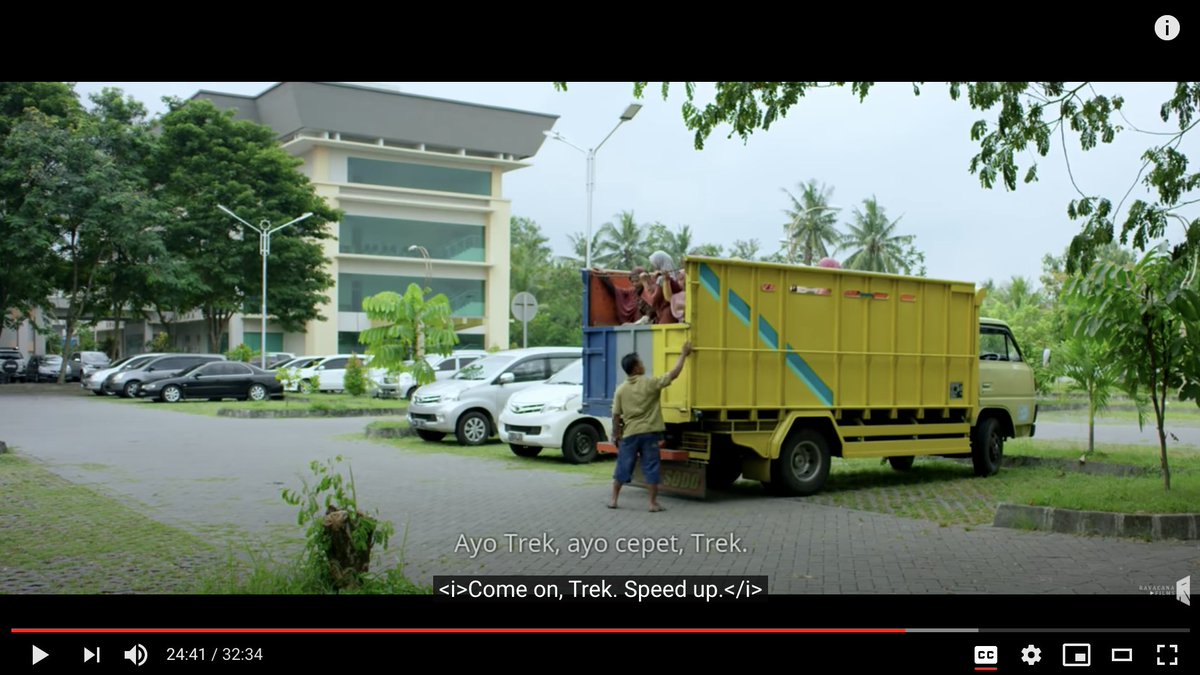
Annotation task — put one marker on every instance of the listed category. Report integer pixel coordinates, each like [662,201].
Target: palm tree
[871,237]
[621,245]
[812,222]
[579,247]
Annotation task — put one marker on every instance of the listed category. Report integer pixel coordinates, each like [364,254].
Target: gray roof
[373,113]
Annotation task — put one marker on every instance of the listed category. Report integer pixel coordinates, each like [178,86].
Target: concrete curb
[1184,526]
[391,432]
[275,414]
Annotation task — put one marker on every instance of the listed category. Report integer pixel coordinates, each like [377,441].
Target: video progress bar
[570,631]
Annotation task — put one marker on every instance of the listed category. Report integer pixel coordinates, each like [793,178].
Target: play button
[38,655]
[88,655]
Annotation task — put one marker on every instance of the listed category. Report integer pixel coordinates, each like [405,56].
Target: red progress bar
[453,631]
[986,669]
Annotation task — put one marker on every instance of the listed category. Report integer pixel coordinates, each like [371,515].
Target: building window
[348,343]
[367,235]
[419,176]
[466,295]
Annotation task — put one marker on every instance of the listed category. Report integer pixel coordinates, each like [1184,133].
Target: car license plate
[416,422]
[515,436]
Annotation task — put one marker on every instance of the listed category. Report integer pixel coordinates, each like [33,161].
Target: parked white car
[403,384]
[548,416]
[468,404]
[332,372]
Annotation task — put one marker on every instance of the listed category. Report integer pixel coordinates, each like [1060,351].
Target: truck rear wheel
[901,463]
[987,447]
[803,465]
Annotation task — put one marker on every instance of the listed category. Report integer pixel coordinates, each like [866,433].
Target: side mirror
[196,376]
[151,369]
[320,367]
[507,378]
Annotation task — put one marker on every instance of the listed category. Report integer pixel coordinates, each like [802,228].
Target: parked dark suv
[126,382]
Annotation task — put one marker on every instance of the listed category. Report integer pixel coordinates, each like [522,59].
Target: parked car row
[176,377]
[14,367]
[530,398]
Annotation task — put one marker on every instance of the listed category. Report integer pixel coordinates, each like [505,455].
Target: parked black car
[214,381]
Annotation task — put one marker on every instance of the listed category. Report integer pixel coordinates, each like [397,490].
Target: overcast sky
[910,152]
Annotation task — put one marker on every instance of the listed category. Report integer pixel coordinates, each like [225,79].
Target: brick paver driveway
[219,476]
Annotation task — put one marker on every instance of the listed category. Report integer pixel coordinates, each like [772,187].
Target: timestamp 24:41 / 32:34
[214,654]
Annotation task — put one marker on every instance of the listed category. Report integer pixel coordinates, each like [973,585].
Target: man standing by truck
[638,423]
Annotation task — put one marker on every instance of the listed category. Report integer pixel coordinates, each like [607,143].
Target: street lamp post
[264,248]
[791,240]
[630,111]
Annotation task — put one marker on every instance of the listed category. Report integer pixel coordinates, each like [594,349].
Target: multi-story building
[414,175]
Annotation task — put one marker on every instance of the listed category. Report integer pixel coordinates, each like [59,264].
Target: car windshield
[483,369]
[122,362]
[572,374]
[52,359]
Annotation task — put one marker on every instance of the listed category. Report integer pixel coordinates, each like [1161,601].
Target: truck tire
[579,444]
[803,464]
[723,469]
[901,463]
[987,447]
[474,428]
[525,450]
[431,436]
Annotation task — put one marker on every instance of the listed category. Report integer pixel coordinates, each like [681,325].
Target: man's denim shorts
[645,445]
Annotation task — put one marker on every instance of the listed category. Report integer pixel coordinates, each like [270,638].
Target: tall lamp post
[630,111]
[264,248]
[791,240]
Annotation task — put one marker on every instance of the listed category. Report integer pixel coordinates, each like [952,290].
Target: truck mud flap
[679,476]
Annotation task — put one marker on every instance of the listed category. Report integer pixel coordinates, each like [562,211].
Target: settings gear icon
[1031,655]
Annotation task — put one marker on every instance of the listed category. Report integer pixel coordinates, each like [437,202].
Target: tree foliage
[413,325]
[811,228]
[204,158]
[1149,315]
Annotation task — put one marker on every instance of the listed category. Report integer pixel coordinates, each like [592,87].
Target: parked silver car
[469,403]
[95,381]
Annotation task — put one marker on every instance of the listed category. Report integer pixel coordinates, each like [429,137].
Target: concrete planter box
[392,432]
[302,412]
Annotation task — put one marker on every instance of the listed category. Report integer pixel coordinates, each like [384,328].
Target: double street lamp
[630,111]
[264,247]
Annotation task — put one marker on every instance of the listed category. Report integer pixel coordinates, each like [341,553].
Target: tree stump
[346,561]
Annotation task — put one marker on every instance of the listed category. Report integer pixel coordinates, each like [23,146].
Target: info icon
[1077,654]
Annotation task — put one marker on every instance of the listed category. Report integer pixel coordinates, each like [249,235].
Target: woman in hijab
[668,284]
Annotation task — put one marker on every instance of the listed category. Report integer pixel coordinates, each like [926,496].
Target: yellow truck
[795,365]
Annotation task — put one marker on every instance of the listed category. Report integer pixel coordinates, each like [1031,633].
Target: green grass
[494,450]
[296,402]
[948,493]
[59,537]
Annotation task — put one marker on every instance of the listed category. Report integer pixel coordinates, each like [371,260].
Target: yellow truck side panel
[772,336]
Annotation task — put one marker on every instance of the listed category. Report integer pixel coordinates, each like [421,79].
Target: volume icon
[136,654]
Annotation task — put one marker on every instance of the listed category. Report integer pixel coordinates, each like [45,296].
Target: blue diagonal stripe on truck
[767,333]
[739,307]
[800,367]
[710,281]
